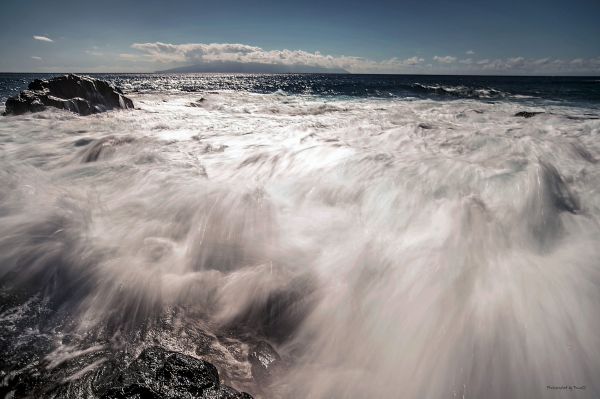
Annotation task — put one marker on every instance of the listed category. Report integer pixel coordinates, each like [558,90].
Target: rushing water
[390,237]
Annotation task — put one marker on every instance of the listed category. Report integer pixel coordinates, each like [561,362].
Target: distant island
[251,67]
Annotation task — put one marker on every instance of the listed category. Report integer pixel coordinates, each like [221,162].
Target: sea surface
[381,236]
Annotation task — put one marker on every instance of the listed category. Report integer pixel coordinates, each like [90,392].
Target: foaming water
[384,247]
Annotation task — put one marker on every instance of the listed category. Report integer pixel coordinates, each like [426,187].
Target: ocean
[382,236]
[553,90]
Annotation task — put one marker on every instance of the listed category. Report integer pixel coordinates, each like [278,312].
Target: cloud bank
[42,38]
[447,59]
[193,53]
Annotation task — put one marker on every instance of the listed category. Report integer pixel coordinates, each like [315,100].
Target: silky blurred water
[404,242]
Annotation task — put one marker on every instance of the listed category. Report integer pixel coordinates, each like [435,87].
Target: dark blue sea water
[564,90]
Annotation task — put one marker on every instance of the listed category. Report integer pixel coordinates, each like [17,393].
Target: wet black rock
[527,114]
[557,190]
[264,360]
[159,373]
[83,142]
[80,94]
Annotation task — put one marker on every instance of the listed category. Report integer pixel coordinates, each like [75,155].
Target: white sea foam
[388,248]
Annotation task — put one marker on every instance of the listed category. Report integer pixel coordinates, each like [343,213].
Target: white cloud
[470,52]
[42,38]
[541,61]
[413,60]
[196,52]
[161,55]
[190,53]
[521,65]
[447,59]
[35,57]
[516,62]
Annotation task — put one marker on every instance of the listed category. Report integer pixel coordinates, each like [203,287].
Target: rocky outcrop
[159,373]
[80,94]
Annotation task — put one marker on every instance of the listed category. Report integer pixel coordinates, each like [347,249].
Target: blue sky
[414,36]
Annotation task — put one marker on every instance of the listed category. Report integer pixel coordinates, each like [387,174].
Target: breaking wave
[382,247]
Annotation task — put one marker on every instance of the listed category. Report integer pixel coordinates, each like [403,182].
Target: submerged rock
[159,373]
[198,103]
[80,94]
[527,114]
[100,147]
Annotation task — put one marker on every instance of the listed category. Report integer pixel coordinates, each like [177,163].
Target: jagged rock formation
[80,94]
[158,373]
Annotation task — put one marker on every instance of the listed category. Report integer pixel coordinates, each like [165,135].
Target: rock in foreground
[80,94]
[158,373]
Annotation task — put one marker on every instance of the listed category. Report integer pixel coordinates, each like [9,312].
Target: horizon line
[300,73]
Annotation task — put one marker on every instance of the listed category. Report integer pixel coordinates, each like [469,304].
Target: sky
[506,37]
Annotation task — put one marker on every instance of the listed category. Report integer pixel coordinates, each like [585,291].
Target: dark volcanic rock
[526,114]
[264,361]
[80,94]
[158,373]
